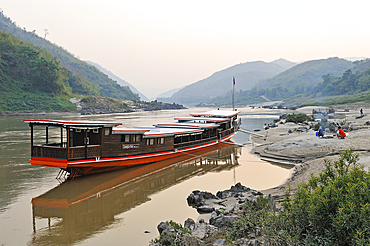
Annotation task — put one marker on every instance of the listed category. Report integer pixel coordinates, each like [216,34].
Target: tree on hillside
[86,73]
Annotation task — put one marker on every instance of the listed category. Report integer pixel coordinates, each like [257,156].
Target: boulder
[197,198]
[234,191]
[257,193]
[353,128]
[229,209]
[199,230]
[189,223]
[205,209]
[189,240]
[162,226]
[222,222]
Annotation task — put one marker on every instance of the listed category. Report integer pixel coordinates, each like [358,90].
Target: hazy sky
[159,45]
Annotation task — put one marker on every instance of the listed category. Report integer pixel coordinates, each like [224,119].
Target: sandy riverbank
[294,144]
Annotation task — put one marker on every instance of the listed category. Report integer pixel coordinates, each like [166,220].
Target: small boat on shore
[88,147]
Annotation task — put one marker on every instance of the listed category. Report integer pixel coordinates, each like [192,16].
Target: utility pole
[46,33]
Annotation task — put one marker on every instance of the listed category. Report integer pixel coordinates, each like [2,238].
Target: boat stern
[49,162]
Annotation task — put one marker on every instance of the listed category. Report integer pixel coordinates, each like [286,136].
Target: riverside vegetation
[332,208]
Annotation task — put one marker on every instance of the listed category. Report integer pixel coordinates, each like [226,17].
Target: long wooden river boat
[87,147]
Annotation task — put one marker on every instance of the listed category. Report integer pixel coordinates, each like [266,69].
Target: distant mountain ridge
[220,83]
[169,93]
[284,63]
[119,80]
[307,73]
[312,82]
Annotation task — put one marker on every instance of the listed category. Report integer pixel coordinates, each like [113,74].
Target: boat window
[150,141]
[107,131]
[160,140]
[130,138]
[135,138]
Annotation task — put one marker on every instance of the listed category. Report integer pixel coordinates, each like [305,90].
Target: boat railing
[226,133]
[195,142]
[81,152]
[77,152]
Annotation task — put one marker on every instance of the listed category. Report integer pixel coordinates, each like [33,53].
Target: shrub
[331,209]
[254,213]
[179,227]
[298,118]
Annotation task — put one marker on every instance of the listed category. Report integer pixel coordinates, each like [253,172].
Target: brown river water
[122,207]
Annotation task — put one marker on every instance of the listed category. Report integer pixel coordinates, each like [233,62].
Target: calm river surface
[117,208]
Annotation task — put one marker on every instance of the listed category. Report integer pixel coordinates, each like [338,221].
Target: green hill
[220,83]
[307,74]
[83,73]
[30,78]
[299,85]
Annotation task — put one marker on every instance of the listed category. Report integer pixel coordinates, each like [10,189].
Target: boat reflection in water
[80,208]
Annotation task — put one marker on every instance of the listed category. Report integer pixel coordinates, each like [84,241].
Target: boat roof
[217,113]
[167,131]
[184,124]
[118,130]
[207,119]
[197,125]
[71,123]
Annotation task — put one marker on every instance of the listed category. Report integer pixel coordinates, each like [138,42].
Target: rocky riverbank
[105,105]
[296,144]
[102,105]
[306,151]
[225,208]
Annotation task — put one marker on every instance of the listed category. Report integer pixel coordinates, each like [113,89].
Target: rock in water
[205,209]
[162,226]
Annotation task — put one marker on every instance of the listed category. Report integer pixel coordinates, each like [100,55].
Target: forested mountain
[119,80]
[84,74]
[337,77]
[361,66]
[30,78]
[306,75]
[220,83]
[348,83]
